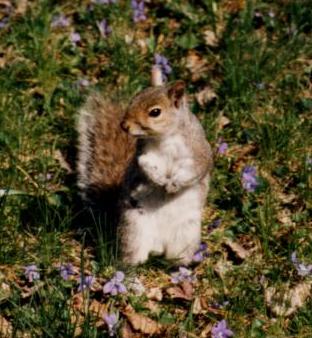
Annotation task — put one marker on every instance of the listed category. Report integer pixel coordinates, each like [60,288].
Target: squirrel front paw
[152,169]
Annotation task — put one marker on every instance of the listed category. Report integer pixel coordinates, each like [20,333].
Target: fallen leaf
[155,294]
[222,267]
[6,329]
[27,292]
[5,291]
[196,64]
[136,286]
[143,323]
[62,161]
[182,291]
[98,310]
[127,332]
[206,332]
[237,249]
[198,307]
[21,7]
[222,122]
[210,38]
[205,96]
[284,301]
[152,306]
[284,217]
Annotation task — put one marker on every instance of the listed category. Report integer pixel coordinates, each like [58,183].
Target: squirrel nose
[124,126]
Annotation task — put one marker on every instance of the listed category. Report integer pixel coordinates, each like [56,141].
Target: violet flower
[220,330]
[82,83]
[75,38]
[249,179]
[222,147]
[201,253]
[214,224]
[31,272]
[4,22]
[104,28]
[111,321]
[138,10]
[163,64]
[66,270]
[184,275]
[302,269]
[85,282]
[115,285]
[60,21]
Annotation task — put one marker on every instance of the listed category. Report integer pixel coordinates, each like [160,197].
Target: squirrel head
[155,111]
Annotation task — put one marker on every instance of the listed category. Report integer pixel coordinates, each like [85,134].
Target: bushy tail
[104,150]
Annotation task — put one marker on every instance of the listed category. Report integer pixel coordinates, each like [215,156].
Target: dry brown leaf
[127,332]
[205,96]
[284,217]
[98,310]
[234,6]
[222,267]
[62,161]
[210,38]
[206,332]
[21,7]
[152,306]
[27,292]
[284,301]
[196,64]
[143,323]
[222,122]
[5,291]
[198,306]
[155,294]
[6,328]
[182,291]
[237,249]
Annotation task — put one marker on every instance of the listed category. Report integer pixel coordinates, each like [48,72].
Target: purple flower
[75,38]
[4,22]
[60,21]
[85,282]
[138,10]
[220,330]
[184,275]
[82,83]
[201,253]
[163,64]
[215,223]
[31,272]
[302,269]
[66,270]
[111,321]
[309,162]
[222,147]
[249,179]
[115,285]
[104,28]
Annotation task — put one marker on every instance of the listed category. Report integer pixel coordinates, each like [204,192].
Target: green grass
[260,70]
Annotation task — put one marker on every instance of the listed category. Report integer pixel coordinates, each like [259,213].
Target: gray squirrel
[155,155]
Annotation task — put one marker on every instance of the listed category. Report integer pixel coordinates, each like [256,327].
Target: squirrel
[153,155]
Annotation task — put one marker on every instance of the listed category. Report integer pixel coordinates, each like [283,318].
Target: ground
[248,70]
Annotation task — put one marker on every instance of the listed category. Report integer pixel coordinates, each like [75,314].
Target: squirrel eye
[154,112]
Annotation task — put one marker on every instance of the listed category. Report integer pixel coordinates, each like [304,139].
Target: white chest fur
[168,220]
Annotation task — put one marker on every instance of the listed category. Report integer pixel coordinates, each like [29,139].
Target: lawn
[248,70]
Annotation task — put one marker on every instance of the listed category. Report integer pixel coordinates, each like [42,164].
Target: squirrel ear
[176,92]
